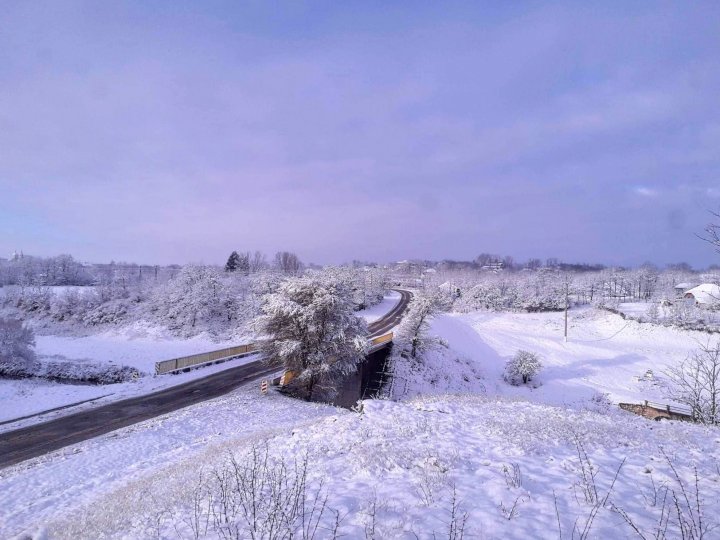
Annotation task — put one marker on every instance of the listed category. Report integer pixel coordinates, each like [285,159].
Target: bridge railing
[674,409]
[183,362]
[175,364]
[380,341]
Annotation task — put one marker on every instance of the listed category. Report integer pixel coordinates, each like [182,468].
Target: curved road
[392,318]
[33,441]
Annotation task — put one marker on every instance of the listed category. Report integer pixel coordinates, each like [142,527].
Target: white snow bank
[401,462]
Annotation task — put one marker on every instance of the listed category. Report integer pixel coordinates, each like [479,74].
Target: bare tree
[258,262]
[696,383]
[288,263]
[712,232]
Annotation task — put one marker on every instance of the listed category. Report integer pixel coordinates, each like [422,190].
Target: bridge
[659,411]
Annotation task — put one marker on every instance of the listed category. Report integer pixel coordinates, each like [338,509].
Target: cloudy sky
[177,131]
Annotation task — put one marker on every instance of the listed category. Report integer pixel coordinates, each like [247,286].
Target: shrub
[522,367]
[16,343]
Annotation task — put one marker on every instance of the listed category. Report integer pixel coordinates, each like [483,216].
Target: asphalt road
[33,441]
[382,326]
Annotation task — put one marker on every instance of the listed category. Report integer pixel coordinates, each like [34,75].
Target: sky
[176,132]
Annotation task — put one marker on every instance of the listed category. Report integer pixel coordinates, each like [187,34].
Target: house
[682,288]
[705,295]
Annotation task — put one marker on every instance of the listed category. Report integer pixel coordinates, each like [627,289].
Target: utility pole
[567,293]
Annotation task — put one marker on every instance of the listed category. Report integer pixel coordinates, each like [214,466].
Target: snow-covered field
[124,348]
[519,463]
[508,462]
[604,353]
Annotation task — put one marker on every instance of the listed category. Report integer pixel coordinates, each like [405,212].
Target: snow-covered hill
[458,451]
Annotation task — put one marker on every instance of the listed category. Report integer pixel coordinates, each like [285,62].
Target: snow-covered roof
[684,285]
[707,293]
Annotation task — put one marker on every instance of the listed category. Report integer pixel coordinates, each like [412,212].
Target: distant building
[493,266]
[705,295]
[682,288]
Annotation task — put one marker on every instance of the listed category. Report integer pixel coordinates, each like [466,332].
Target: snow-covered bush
[652,313]
[308,327]
[109,312]
[16,344]
[73,372]
[522,368]
[67,306]
[33,299]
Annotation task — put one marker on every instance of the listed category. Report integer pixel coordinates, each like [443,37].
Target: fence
[167,366]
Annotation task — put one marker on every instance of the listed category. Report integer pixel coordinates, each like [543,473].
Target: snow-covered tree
[196,294]
[522,367]
[233,262]
[238,262]
[367,284]
[413,330]
[696,383]
[308,327]
[16,343]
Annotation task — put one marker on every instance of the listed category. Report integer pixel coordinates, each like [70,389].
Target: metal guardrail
[674,409]
[175,364]
[379,341]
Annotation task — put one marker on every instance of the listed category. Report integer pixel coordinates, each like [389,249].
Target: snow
[26,397]
[406,458]
[33,397]
[35,490]
[373,313]
[604,353]
[124,348]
